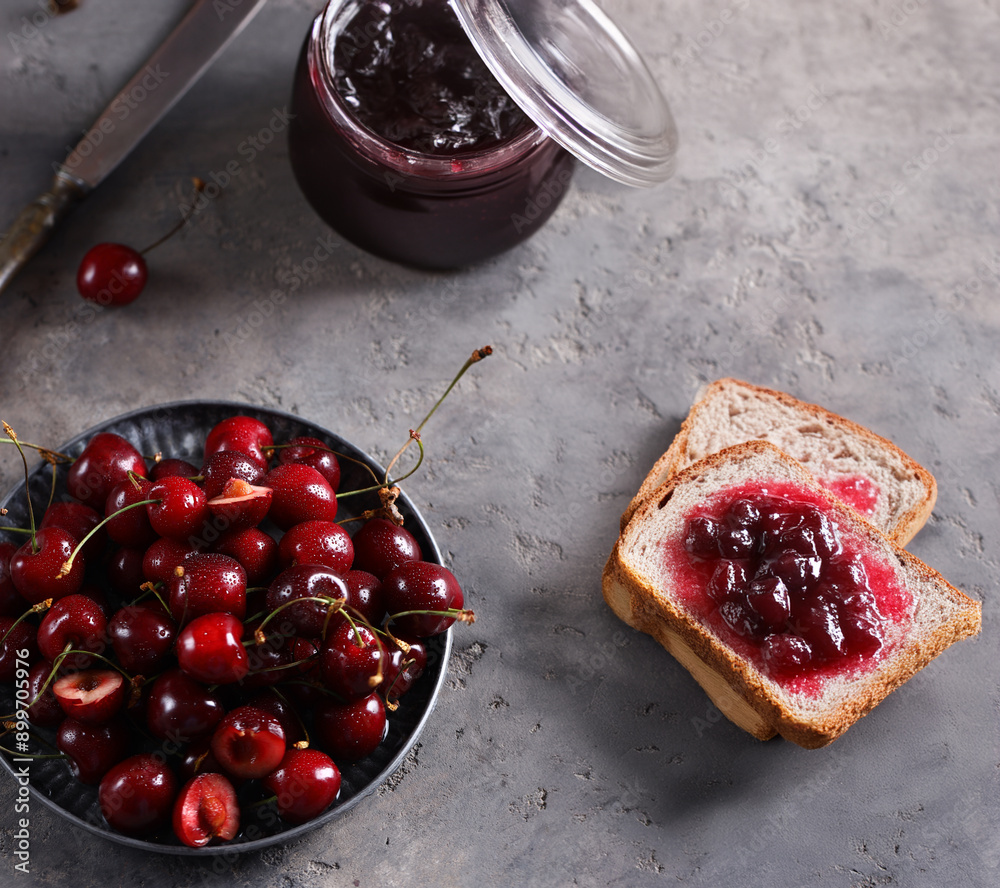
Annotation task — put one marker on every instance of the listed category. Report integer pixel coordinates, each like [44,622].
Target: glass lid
[579,78]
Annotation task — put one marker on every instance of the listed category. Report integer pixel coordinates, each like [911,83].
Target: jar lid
[580,79]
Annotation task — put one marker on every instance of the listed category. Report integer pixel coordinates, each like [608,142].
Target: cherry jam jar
[404,142]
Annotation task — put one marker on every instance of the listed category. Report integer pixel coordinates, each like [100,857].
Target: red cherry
[256,551]
[351,662]
[306,783]
[137,795]
[317,542]
[92,696]
[240,505]
[351,731]
[249,743]
[92,750]
[305,581]
[142,635]
[241,433]
[125,572]
[300,494]
[207,584]
[131,528]
[11,602]
[222,467]
[364,594]
[167,467]
[209,649]
[403,669]
[313,452]
[422,586]
[380,546]
[77,621]
[36,570]
[181,511]
[206,808]
[111,274]
[46,711]
[163,557]
[181,709]
[79,520]
[106,460]
[269,702]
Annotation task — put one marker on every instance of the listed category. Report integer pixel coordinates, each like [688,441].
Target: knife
[169,72]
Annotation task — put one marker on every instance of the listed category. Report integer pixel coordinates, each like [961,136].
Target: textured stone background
[845,251]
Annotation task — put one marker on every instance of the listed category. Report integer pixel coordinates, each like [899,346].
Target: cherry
[209,649]
[198,759]
[255,550]
[36,566]
[78,520]
[76,621]
[306,783]
[45,711]
[352,731]
[92,750]
[131,528]
[181,709]
[364,594]
[107,459]
[206,808]
[308,618]
[125,573]
[240,505]
[111,274]
[313,452]
[242,433]
[20,637]
[268,701]
[167,467]
[352,661]
[300,494]
[11,602]
[248,743]
[182,508]
[422,586]
[222,467]
[317,542]
[206,584]
[92,696]
[142,636]
[137,795]
[163,557]
[403,668]
[381,546]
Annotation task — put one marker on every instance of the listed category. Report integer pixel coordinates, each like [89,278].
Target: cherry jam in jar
[404,142]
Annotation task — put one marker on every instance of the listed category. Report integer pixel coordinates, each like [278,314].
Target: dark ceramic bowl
[179,430]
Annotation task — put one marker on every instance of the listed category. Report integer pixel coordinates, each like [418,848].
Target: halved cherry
[249,743]
[206,809]
[240,505]
[92,696]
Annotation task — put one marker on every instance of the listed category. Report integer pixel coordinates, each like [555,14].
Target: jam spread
[410,74]
[771,571]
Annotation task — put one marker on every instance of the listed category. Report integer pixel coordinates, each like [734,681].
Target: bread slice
[730,411]
[639,585]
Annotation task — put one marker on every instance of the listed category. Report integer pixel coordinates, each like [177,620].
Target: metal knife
[179,61]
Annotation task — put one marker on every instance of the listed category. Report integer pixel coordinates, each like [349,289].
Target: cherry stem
[463,616]
[50,456]
[148,588]
[32,755]
[52,488]
[259,635]
[68,563]
[294,710]
[34,609]
[475,358]
[403,667]
[15,529]
[31,511]
[199,186]
[262,802]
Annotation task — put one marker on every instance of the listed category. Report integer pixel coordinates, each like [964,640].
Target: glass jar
[421,209]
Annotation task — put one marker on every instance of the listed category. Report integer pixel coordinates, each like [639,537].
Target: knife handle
[33,226]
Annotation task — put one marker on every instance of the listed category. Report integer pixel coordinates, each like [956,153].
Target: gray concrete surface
[832,230]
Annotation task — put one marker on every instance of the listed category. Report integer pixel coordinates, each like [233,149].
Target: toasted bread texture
[638,585]
[730,411]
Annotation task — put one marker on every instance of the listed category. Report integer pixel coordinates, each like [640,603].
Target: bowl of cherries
[220,626]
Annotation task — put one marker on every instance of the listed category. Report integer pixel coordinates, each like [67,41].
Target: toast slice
[900,493]
[640,585]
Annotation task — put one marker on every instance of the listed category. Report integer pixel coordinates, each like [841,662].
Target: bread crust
[670,463]
[759,706]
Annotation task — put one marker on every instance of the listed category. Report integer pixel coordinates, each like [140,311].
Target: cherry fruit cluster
[195,631]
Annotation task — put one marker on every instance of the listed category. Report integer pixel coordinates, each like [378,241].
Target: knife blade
[200,37]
